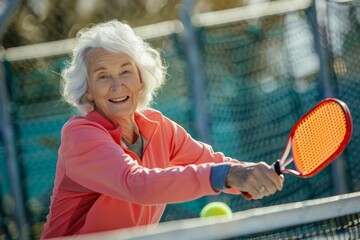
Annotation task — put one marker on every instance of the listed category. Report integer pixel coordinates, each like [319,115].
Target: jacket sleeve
[186,150]
[93,160]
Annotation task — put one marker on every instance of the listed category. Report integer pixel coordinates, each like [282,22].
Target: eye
[126,72]
[102,76]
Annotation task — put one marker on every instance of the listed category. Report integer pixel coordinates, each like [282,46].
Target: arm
[228,175]
[93,160]
[186,150]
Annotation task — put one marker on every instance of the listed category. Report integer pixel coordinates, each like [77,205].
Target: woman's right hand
[257,179]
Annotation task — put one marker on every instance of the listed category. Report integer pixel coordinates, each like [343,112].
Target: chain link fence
[260,71]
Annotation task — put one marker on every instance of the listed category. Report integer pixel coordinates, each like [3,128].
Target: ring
[260,190]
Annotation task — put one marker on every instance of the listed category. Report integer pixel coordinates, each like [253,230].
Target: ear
[141,81]
[141,85]
[89,97]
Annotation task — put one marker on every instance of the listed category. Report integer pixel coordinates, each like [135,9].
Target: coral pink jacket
[100,185]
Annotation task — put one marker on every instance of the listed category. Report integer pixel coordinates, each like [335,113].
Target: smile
[117,100]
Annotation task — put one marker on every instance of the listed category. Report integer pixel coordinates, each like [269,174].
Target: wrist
[218,176]
[228,177]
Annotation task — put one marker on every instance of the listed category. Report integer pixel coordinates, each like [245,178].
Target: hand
[257,179]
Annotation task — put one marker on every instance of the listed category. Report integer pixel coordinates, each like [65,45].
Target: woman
[122,162]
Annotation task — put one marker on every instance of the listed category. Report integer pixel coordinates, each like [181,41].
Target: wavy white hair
[116,37]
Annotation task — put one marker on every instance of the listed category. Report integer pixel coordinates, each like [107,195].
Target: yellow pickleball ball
[216,209]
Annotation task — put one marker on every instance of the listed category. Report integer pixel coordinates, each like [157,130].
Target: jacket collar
[146,126]
[95,116]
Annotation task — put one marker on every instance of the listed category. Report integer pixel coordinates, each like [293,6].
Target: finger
[256,191]
[276,179]
[264,181]
[269,188]
[279,182]
[266,187]
[260,182]
[269,179]
[256,188]
[282,178]
[263,191]
[274,183]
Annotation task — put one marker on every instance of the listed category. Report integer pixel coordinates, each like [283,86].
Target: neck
[131,137]
[130,131]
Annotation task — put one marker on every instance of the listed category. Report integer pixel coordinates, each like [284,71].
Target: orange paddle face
[320,136]
[316,139]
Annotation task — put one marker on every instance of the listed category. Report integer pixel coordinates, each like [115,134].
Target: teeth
[118,99]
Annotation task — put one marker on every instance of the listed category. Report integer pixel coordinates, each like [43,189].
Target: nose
[116,82]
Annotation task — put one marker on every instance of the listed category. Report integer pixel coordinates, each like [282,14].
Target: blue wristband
[218,176]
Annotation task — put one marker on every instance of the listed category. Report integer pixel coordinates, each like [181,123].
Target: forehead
[101,57]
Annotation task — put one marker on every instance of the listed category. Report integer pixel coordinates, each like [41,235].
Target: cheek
[135,86]
[138,89]
[96,92]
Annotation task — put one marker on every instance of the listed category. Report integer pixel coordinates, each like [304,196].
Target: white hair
[117,37]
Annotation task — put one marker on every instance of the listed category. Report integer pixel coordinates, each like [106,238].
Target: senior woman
[121,162]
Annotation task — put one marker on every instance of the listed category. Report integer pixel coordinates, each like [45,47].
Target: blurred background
[240,74]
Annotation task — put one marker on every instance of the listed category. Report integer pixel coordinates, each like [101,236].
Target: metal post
[6,133]
[6,14]
[196,72]
[319,26]
[8,139]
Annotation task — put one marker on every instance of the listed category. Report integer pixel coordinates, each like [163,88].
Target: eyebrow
[125,64]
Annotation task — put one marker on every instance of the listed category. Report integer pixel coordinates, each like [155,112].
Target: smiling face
[114,84]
